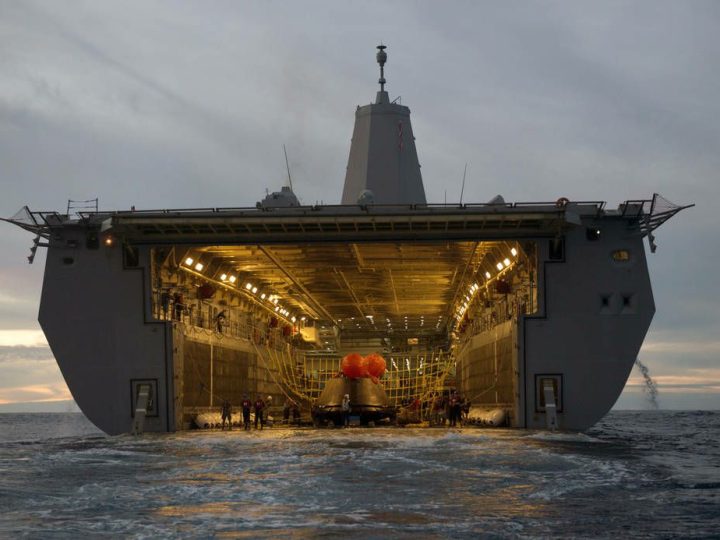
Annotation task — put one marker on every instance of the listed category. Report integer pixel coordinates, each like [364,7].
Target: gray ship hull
[591,315]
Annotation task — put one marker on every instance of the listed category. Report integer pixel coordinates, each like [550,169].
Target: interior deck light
[248,286]
[506,262]
[499,266]
[223,277]
[199,266]
[487,275]
[189,261]
[232,279]
[514,252]
[262,296]
[254,290]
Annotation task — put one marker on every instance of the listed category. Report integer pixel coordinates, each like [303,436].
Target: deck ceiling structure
[343,223]
[362,287]
[366,269]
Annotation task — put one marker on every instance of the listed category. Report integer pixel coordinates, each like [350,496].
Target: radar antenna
[381,59]
[462,189]
[288,168]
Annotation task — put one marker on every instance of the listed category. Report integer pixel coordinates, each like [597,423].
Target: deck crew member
[246,406]
[178,305]
[226,414]
[165,302]
[259,410]
[220,321]
[345,409]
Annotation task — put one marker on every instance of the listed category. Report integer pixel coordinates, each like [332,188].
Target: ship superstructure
[538,309]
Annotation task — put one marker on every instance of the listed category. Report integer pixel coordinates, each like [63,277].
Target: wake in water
[650,385]
[61,478]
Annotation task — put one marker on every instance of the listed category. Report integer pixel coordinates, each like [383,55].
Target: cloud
[25,354]
[24,339]
[30,372]
[691,381]
[682,347]
[34,393]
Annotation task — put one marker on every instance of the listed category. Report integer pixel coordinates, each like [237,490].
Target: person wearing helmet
[268,404]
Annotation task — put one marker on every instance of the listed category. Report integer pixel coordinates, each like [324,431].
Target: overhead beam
[352,294]
[394,292]
[316,306]
[451,306]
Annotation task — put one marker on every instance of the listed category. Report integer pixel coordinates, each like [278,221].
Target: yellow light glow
[109,241]
[499,266]
[189,261]
[506,262]
[232,279]
[487,275]
[254,290]
[223,277]
[621,255]
[514,252]
[248,286]
[199,266]
[262,296]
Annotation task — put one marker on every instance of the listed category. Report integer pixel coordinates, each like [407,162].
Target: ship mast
[383,165]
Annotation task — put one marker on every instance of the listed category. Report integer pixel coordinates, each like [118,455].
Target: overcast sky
[170,104]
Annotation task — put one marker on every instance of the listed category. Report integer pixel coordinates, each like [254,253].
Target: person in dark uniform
[287,407]
[165,298]
[246,406]
[259,408]
[220,321]
[178,305]
[464,410]
[226,415]
[345,410]
[454,409]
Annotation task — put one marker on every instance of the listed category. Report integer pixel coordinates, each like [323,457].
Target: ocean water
[652,474]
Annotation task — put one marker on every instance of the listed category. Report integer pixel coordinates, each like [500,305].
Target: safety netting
[408,377]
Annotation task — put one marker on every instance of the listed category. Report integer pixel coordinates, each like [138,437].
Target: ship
[533,310]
